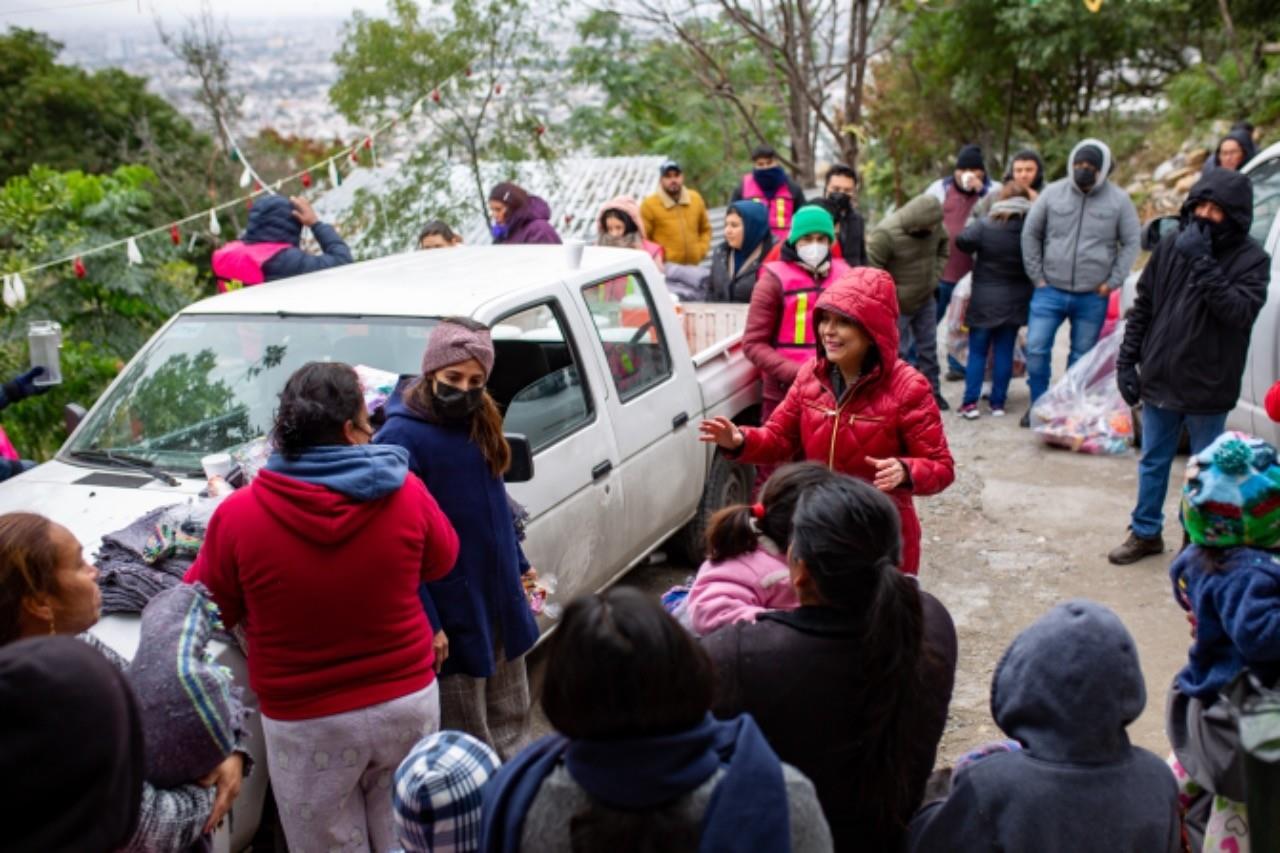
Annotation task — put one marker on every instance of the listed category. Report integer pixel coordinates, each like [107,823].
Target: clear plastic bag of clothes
[1084,411]
[957,331]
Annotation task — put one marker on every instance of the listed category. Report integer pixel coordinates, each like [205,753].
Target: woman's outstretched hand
[722,432]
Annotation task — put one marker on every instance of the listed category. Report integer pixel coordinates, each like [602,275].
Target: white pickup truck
[593,368]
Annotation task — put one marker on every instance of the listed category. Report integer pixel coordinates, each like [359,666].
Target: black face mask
[455,404]
[1220,233]
[1084,178]
[840,200]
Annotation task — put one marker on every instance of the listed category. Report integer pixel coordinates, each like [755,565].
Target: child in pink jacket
[746,570]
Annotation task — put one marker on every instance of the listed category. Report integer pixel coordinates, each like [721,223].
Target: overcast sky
[56,16]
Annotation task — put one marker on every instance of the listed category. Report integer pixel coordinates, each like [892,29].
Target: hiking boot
[954,375]
[1135,548]
[969,411]
[943,405]
[1025,423]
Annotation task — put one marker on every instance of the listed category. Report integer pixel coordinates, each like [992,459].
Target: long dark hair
[317,401]
[620,667]
[847,533]
[731,534]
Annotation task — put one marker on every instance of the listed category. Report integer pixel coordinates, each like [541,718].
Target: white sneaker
[997,413]
[970,412]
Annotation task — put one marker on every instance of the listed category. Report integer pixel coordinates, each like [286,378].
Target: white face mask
[813,254]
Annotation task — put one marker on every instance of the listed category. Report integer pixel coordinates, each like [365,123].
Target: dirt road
[1023,527]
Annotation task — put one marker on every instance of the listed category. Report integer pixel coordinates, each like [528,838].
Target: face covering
[1084,178]
[455,404]
[1220,233]
[813,254]
[769,179]
[842,201]
[498,231]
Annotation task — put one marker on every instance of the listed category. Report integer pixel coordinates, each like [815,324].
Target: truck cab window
[630,333]
[1266,199]
[536,380]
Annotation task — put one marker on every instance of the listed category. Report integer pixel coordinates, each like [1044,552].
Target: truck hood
[112,499]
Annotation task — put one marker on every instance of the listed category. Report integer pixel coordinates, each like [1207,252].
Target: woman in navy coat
[453,431]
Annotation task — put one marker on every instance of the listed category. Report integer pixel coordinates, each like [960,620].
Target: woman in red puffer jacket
[856,407]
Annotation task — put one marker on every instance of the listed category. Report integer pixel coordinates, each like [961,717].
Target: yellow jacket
[682,227]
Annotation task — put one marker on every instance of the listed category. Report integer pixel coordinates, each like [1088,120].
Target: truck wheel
[728,483]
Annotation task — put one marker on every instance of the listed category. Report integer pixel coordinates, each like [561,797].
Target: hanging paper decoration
[248,204]
[257,186]
[335,179]
[1093,5]
[497,88]
[435,95]
[355,155]
[132,252]
[306,179]
[10,296]
[175,236]
[19,288]
[191,244]
[235,155]
[468,71]
[214,227]
[539,130]
[368,143]
[568,218]
[246,178]
[78,268]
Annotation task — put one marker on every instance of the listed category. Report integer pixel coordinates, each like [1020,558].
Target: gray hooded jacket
[1076,241]
[1066,689]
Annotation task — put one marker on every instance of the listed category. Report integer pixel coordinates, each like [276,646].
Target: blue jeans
[1161,431]
[1049,307]
[980,340]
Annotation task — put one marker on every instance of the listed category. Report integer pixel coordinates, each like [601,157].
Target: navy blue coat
[271,220]
[483,595]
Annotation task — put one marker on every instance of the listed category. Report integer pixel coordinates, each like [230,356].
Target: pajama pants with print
[332,776]
[494,709]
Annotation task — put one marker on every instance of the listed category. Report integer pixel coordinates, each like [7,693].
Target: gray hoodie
[1066,689]
[1076,241]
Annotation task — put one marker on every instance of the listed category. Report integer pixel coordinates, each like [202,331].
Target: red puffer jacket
[888,413]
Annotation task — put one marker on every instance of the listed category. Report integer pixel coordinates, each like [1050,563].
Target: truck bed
[714,333]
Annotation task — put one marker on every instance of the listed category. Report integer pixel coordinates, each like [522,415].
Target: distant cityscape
[284,68]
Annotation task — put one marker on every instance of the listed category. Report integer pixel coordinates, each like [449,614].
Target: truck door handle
[679,420]
[601,469]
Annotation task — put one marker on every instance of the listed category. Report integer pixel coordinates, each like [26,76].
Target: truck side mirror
[1156,230]
[72,415]
[521,470]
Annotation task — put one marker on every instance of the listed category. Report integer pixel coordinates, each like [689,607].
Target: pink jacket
[740,589]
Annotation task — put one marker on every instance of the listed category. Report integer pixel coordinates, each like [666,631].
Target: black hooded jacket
[1188,333]
[271,220]
[1066,689]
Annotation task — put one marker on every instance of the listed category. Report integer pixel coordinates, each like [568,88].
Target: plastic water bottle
[44,340]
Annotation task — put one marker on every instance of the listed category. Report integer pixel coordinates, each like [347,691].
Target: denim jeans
[919,331]
[1049,307]
[1003,339]
[1161,431]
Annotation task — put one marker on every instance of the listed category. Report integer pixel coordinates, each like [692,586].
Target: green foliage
[1219,90]
[66,118]
[476,63]
[654,103]
[107,315]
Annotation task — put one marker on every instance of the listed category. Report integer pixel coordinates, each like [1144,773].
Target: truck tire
[728,483]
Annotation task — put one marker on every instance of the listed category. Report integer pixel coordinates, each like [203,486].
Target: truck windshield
[209,383]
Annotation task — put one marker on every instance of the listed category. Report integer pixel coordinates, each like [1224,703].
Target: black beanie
[1090,154]
[970,157]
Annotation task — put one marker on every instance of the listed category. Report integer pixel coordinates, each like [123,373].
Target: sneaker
[954,375]
[969,411]
[997,411]
[943,406]
[1025,423]
[1135,548]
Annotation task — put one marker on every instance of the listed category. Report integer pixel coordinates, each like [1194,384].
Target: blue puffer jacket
[272,221]
[1236,604]
[483,596]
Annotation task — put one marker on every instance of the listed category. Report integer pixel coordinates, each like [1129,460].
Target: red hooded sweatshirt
[888,414]
[327,588]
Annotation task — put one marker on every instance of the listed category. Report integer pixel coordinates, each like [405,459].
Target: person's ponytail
[736,530]
[731,534]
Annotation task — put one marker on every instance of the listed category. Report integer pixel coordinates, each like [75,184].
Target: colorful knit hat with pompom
[1232,495]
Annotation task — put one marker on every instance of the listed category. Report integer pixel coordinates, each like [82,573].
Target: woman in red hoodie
[321,557]
[856,407]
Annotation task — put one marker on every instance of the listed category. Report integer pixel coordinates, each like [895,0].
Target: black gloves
[1129,384]
[1194,241]
[24,385]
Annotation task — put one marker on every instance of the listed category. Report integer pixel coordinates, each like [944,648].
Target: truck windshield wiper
[125,460]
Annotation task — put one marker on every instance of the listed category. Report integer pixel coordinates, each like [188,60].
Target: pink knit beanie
[456,340]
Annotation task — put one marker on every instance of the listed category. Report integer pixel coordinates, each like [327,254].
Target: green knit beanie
[811,219]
